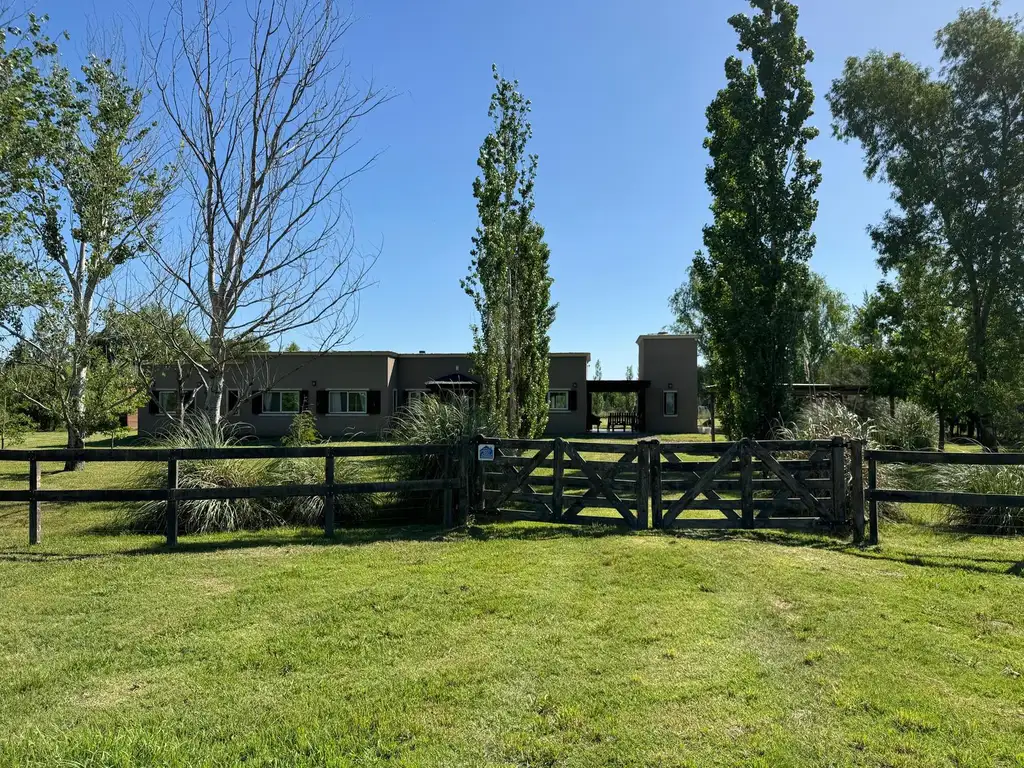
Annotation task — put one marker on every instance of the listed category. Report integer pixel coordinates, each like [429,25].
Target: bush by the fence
[447,419]
[971,478]
[824,418]
[911,428]
[215,515]
[302,431]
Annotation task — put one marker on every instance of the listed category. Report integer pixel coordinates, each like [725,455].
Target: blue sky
[619,90]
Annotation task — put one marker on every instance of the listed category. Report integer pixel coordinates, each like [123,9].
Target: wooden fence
[743,485]
[875,494]
[747,484]
[172,494]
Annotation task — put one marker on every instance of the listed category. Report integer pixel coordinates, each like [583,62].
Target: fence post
[329,496]
[872,504]
[643,484]
[479,477]
[857,472]
[35,521]
[466,466]
[656,510]
[747,484]
[171,513]
[838,481]
[556,489]
[449,515]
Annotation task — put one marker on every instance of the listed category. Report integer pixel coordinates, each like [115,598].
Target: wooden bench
[627,422]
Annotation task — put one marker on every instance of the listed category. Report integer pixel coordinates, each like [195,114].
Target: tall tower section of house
[669,363]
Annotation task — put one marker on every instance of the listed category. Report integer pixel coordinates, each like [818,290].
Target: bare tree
[265,134]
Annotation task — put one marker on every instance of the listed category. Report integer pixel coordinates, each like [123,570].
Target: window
[281,401]
[670,404]
[168,400]
[414,395]
[394,399]
[558,400]
[347,402]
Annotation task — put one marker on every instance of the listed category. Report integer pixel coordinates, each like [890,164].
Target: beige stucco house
[358,392]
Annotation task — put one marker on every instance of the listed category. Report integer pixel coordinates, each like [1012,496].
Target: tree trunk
[214,395]
[75,429]
[986,427]
[215,381]
[942,431]
[76,442]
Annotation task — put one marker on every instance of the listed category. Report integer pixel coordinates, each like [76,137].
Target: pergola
[838,391]
[639,386]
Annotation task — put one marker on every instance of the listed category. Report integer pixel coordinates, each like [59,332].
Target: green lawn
[507,645]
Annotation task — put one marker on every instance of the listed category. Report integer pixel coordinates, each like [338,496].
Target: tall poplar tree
[752,283]
[508,279]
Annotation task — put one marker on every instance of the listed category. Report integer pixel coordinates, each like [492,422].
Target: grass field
[504,645]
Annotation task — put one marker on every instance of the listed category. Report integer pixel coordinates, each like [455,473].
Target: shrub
[825,418]
[309,510]
[911,428]
[970,478]
[302,431]
[443,420]
[211,515]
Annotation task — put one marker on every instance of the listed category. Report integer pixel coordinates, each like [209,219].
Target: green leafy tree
[751,284]
[915,339]
[26,53]
[92,207]
[15,424]
[152,337]
[508,279]
[824,330]
[114,386]
[951,145]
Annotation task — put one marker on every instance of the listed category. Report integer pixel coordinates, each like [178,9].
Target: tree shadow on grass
[242,540]
[958,562]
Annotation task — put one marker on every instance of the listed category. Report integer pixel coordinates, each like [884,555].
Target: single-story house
[358,392]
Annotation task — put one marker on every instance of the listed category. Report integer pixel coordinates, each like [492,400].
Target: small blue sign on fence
[485,452]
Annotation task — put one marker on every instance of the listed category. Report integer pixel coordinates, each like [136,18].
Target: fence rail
[172,494]
[874,494]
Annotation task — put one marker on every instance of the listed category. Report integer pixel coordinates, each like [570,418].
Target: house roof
[452,379]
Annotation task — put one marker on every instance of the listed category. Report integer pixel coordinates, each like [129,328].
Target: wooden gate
[795,484]
[752,484]
[566,482]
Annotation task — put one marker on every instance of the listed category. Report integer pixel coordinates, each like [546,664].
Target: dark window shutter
[322,401]
[572,400]
[232,400]
[154,402]
[304,400]
[373,401]
[257,404]
[190,400]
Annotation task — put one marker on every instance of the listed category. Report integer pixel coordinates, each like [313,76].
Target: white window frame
[418,393]
[664,403]
[347,392]
[160,401]
[551,407]
[394,399]
[281,393]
